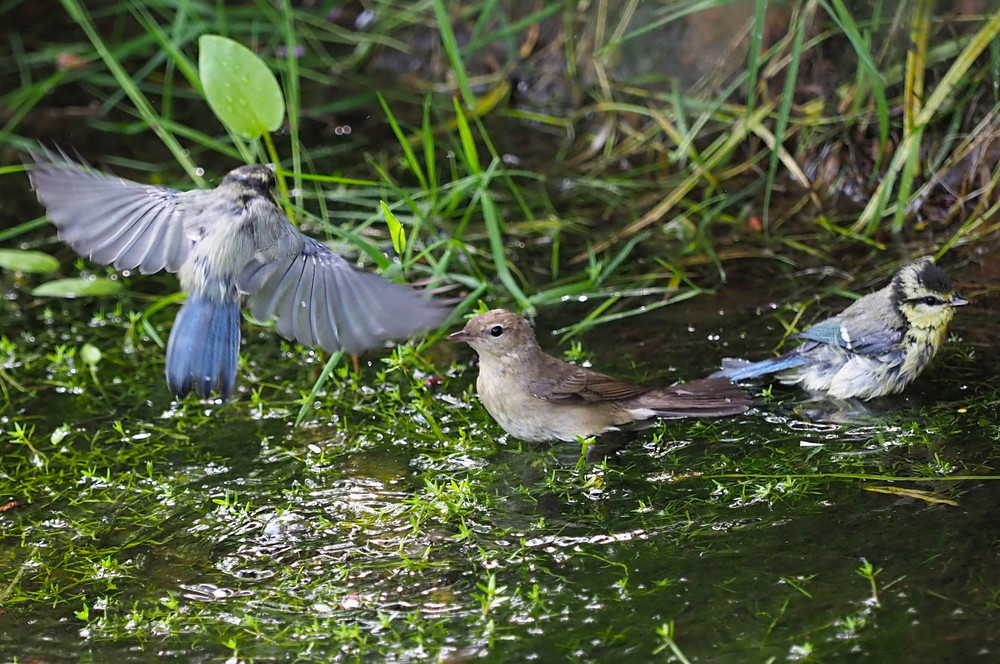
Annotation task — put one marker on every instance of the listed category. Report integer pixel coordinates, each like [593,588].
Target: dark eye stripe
[929,300]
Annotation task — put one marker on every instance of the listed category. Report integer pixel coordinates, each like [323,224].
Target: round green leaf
[239,87]
[78,288]
[27,261]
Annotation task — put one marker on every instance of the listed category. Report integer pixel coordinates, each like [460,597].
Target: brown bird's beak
[461,335]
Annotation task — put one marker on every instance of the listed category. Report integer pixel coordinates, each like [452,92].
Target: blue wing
[110,220]
[863,334]
[319,299]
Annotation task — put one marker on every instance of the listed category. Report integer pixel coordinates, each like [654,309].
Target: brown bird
[537,397]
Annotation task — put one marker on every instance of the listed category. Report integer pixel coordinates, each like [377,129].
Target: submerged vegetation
[590,163]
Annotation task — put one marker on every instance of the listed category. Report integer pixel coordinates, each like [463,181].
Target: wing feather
[866,335]
[304,315]
[318,298]
[582,385]
[326,324]
[108,219]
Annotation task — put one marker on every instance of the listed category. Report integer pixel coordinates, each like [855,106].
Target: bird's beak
[461,335]
[957,301]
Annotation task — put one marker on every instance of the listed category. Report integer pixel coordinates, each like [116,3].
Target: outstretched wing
[319,299]
[107,219]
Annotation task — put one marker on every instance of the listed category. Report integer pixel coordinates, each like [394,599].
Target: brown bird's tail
[706,397]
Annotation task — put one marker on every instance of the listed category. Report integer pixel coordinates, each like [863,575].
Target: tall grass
[542,154]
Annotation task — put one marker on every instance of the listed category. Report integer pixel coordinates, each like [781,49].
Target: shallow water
[208,532]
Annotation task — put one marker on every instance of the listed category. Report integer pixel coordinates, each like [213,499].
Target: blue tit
[876,346]
[231,246]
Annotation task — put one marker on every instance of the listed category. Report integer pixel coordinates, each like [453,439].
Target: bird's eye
[931,300]
[496,330]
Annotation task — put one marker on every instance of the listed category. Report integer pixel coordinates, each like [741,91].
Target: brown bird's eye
[496,330]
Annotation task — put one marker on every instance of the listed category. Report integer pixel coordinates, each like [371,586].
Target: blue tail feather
[203,349]
[737,370]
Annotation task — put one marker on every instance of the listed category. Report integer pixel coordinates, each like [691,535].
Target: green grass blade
[494,231]
[80,16]
[454,54]
[324,375]
[469,151]
[411,158]
[753,56]
[870,216]
[293,96]
[785,109]
[427,136]
[842,16]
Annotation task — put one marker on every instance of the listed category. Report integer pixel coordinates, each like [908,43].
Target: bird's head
[258,179]
[924,295]
[498,333]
